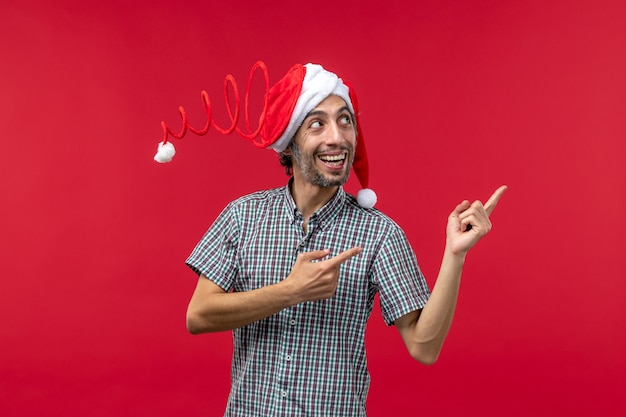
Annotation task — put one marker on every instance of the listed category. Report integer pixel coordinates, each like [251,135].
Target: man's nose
[335,134]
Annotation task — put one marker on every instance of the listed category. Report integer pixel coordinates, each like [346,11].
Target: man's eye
[315,124]
[346,120]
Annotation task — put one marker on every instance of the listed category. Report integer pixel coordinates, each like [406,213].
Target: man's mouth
[333,160]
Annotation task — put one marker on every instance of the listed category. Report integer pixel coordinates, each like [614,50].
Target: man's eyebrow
[315,113]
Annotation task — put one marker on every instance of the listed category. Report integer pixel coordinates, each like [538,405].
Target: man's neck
[309,197]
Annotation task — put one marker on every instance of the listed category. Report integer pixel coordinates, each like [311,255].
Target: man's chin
[330,181]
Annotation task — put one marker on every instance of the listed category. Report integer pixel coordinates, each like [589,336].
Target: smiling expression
[323,147]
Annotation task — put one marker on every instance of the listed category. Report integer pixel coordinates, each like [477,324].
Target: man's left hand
[469,222]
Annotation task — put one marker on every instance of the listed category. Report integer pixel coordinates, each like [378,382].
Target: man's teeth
[333,158]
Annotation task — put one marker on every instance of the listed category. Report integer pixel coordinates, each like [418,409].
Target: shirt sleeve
[401,285]
[215,256]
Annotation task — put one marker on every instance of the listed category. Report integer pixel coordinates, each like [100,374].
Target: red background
[457,97]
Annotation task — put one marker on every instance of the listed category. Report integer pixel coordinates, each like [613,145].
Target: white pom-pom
[366,198]
[165,153]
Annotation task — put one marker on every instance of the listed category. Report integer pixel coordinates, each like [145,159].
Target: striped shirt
[309,359]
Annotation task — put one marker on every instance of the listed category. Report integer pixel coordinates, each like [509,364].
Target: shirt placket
[287,390]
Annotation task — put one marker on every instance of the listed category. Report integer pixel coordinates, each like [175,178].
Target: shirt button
[292,322]
[288,358]
[283,394]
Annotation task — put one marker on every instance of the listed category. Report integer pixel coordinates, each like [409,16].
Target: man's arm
[211,309]
[424,331]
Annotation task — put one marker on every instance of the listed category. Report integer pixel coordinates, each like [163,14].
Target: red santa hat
[287,104]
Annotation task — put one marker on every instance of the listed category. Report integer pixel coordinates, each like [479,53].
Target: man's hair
[286,161]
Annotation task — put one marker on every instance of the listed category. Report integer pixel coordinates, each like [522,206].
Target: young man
[293,271]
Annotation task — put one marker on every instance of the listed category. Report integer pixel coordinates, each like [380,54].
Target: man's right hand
[315,278]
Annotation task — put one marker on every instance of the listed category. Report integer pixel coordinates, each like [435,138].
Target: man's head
[322,150]
[292,102]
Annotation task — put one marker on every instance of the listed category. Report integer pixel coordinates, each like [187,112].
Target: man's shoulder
[372,216]
[258,198]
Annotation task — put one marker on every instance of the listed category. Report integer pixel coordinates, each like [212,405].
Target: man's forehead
[331,104]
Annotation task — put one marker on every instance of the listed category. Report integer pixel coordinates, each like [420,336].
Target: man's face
[323,147]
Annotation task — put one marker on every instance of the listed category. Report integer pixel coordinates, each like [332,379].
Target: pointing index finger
[345,255]
[490,205]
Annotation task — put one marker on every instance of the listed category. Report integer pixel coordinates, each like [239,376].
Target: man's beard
[311,173]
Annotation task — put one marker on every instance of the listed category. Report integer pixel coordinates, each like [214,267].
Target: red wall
[457,97]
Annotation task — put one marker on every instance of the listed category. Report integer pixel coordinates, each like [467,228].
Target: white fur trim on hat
[317,85]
